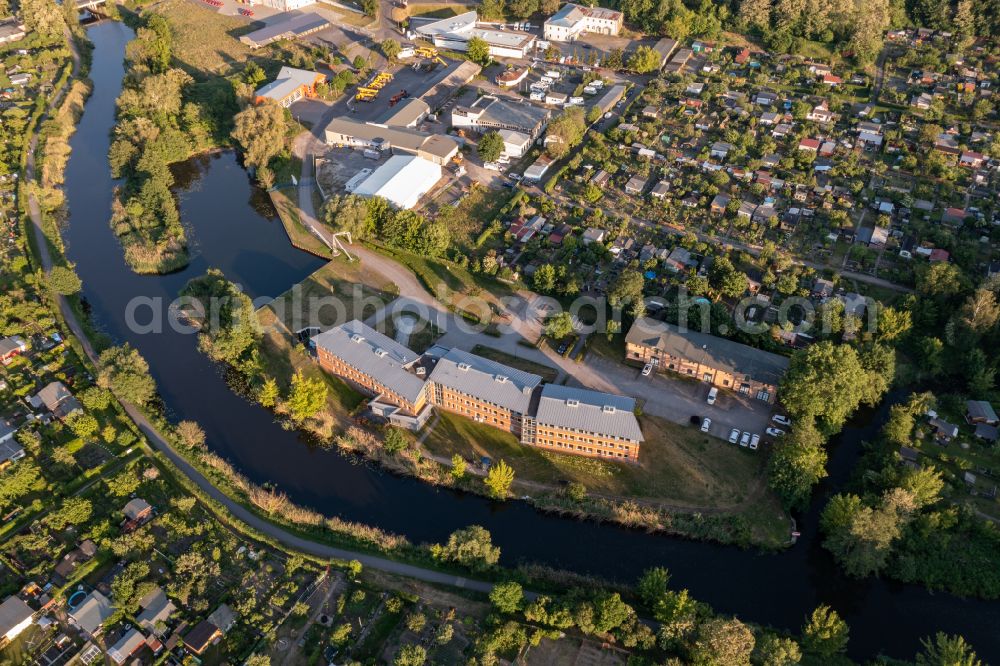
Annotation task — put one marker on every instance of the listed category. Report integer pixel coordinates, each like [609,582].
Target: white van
[712,395]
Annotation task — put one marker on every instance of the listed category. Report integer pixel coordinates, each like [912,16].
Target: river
[231,227]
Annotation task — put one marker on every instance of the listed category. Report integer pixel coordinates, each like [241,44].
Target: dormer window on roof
[380,352]
[463,366]
[572,403]
[608,409]
[356,337]
[501,378]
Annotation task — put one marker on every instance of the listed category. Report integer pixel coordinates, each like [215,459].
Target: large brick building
[705,357]
[482,390]
[406,386]
[378,365]
[584,422]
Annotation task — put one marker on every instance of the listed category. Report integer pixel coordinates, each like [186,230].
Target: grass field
[465,220]
[547,373]
[677,465]
[299,236]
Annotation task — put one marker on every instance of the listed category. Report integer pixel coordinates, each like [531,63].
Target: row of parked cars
[751,440]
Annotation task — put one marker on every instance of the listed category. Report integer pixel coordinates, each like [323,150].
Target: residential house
[84,552]
[720,149]
[811,145]
[10,451]
[573,21]
[831,80]
[650,112]
[127,645]
[822,288]
[137,510]
[594,235]
[15,617]
[156,610]
[679,259]
[89,617]
[203,636]
[746,209]
[538,169]
[943,431]
[223,617]
[635,185]
[971,159]
[820,113]
[11,348]
[57,399]
[289,86]
[660,190]
[953,216]
[980,411]
[988,433]
[708,358]
[719,204]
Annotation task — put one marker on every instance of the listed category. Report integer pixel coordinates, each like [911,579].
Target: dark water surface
[233,228]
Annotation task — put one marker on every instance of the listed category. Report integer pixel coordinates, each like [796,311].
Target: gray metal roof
[373,354]
[485,379]
[737,359]
[590,411]
[982,410]
[11,344]
[92,612]
[13,612]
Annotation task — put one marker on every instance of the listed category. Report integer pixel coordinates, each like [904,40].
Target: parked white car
[781,420]
[646,369]
[713,393]
[734,436]
[706,424]
[775,432]
[754,442]
[745,439]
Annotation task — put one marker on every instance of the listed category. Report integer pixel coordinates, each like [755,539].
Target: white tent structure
[402,180]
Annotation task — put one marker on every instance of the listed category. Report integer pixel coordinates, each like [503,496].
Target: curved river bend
[233,228]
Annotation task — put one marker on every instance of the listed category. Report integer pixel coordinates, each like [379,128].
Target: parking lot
[678,399]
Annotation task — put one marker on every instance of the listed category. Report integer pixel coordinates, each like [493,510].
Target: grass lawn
[547,373]
[465,220]
[677,465]
[341,287]
[299,236]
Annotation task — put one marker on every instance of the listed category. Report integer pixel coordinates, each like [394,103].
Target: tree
[825,634]
[471,547]
[479,51]
[722,642]
[457,467]
[797,463]
[522,9]
[83,426]
[306,398]
[490,147]
[627,289]
[653,585]
[544,279]
[576,491]
[565,131]
[861,536]
[644,60]
[123,484]
[416,622]
[726,279]
[559,326]
[870,23]
[42,17]
[498,479]
[349,213]
[826,382]
[74,511]
[390,49]
[17,482]
[774,650]
[395,441]
[507,597]
[493,9]
[893,324]
[260,130]
[191,434]
[125,372]
[225,317]
[268,394]
[64,281]
[980,312]
[126,586]
[945,650]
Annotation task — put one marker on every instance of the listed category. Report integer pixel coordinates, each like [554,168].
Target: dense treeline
[783,25]
[375,219]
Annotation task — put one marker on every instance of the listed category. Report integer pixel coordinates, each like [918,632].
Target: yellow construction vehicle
[364,96]
[427,52]
[439,60]
[368,91]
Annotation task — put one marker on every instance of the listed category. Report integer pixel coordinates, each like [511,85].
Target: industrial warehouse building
[436,148]
[559,418]
[291,25]
[496,113]
[401,180]
[455,32]
[705,357]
